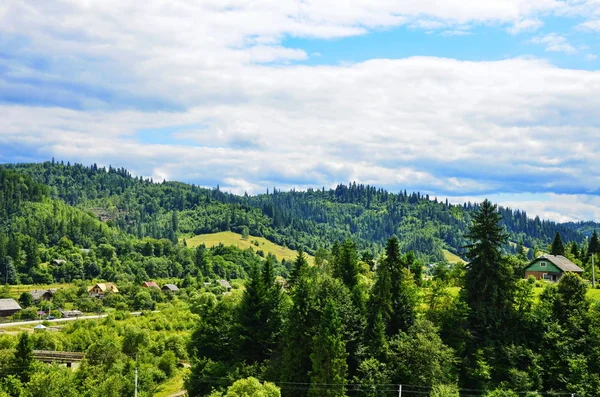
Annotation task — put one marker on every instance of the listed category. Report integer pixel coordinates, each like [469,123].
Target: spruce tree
[297,337]
[299,266]
[490,282]
[201,260]
[253,338]
[328,357]
[346,264]
[22,362]
[594,246]
[557,247]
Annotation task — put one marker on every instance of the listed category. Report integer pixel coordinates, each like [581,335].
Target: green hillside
[229,238]
[295,219]
[452,258]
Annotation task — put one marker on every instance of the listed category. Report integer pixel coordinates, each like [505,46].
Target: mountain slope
[294,219]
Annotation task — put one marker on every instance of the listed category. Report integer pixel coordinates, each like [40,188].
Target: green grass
[592,294]
[171,386]
[452,258]
[17,290]
[235,239]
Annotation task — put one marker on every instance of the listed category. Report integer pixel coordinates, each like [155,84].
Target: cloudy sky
[463,99]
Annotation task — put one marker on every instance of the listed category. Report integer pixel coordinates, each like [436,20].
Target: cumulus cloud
[593,25]
[526,25]
[90,82]
[554,43]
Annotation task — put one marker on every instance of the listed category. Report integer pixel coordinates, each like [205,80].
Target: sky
[459,99]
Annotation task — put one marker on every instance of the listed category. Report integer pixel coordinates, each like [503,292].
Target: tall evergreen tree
[201,260]
[22,362]
[328,357]
[297,337]
[490,282]
[346,264]
[594,247]
[252,313]
[298,267]
[557,247]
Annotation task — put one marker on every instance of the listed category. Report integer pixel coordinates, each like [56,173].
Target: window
[542,264]
[545,276]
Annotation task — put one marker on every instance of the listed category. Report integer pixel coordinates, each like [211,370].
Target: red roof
[150,284]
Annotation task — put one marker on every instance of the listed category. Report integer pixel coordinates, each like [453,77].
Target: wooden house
[39,295]
[551,267]
[100,289]
[150,284]
[8,307]
[170,288]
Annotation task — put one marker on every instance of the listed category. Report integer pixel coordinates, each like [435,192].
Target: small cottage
[70,313]
[551,267]
[39,295]
[8,307]
[170,288]
[100,289]
[150,284]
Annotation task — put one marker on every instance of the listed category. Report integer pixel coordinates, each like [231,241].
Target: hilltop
[295,219]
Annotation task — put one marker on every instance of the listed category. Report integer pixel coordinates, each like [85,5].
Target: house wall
[536,266]
[540,275]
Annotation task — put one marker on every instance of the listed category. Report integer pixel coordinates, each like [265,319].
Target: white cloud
[526,25]
[440,125]
[591,57]
[554,43]
[593,25]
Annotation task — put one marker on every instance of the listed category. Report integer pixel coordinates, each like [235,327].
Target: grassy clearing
[171,386]
[17,290]
[452,258]
[235,239]
[593,294]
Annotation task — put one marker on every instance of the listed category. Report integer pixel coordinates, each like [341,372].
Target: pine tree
[490,283]
[299,266]
[594,246]
[297,335]
[251,319]
[346,264]
[22,362]
[557,247]
[201,260]
[329,366]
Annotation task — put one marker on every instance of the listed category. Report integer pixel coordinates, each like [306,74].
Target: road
[58,320]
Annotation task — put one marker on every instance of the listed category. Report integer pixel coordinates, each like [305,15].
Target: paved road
[59,320]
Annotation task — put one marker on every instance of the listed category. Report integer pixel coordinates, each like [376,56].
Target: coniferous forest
[370,306]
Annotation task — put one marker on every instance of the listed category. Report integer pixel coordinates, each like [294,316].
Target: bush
[444,391]
[168,363]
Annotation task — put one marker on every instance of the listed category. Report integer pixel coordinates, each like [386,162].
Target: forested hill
[307,219]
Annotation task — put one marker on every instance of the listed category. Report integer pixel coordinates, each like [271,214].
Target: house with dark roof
[551,267]
[150,284]
[39,295]
[170,288]
[8,307]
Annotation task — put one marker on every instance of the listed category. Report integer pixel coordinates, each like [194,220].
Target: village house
[8,307]
[170,288]
[150,284]
[39,295]
[100,289]
[551,267]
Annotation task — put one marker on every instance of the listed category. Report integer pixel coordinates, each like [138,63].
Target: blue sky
[456,98]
